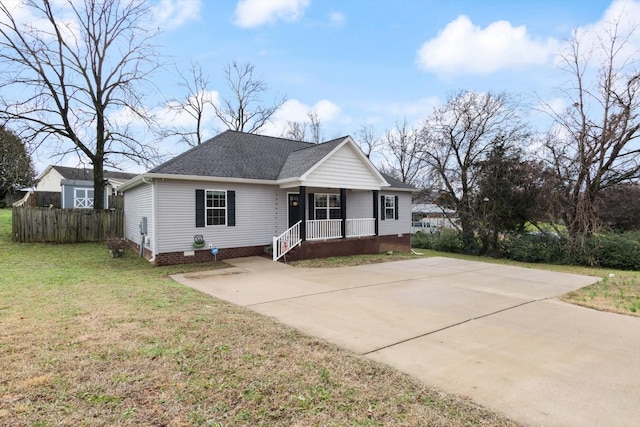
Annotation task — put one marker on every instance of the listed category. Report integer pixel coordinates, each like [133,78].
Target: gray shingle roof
[298,162]
[242,155]
[396,183]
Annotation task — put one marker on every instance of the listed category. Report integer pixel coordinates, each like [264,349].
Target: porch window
[83,198]
[327,206]
[216,207]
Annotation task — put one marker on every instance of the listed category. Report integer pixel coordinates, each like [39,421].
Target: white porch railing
[361,227]
[286,241]
[322,229]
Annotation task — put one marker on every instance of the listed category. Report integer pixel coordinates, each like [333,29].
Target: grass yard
[618,291]
[90,340]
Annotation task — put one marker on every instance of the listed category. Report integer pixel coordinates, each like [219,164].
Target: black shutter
[396,205]
[199,208]
[312,206]
[343,212]
[231,208]
[383,209]
[376,210]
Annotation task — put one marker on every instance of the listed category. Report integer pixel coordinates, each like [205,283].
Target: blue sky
[371,61]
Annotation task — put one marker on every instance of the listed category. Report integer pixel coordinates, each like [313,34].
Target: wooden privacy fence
[47,199]
[66,225]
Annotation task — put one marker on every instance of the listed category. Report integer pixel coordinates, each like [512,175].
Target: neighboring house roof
[430,208]
[84,174]
[236,155]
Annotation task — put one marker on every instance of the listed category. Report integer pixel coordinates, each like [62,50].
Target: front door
[294,209]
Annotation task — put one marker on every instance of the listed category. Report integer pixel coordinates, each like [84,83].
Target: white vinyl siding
[176,207]
[403,224]
[359,204]
[282,210]
[138,203]
[344,169]
[50,181]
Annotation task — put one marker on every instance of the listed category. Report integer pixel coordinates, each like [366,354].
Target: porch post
[376,211]
[302,201]
[343,212]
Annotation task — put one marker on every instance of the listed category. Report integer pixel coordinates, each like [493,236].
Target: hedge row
[618,251]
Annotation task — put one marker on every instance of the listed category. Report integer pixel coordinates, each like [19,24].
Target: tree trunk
[98,185]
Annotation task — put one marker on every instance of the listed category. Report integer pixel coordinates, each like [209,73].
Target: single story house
[75,185]
[241,194]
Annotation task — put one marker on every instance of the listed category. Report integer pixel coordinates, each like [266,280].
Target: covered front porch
[325,214]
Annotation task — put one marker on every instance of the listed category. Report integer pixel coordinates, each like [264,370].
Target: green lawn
[86,339]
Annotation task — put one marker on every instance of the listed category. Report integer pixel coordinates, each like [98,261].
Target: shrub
[614,251]
[532,247]
[448,240]
[422,240]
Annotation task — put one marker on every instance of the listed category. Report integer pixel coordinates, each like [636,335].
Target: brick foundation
[205,255]
[308,250]
[351,246]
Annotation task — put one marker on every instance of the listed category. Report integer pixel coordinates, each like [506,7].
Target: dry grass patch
[87,339]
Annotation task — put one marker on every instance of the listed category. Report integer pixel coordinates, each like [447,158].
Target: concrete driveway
[497,334]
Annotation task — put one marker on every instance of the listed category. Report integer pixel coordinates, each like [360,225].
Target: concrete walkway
[495,333]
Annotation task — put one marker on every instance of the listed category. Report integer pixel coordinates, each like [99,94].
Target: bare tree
[315,127]
[404,158]
[595,141]
[243,110]
[367,140]
[460,135]
[194,103]
[308,131]
[296,130]
[72,72]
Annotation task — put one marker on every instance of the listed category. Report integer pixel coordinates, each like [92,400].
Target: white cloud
[464,48]
[337,19]
[623,17]
[253,13]
[172,14]
[626,11]
[295,111]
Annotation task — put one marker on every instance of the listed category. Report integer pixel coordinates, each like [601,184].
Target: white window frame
[389,203]
[328,208]
[84,202]
[208,208]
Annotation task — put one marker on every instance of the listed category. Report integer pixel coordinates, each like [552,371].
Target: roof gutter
[146,178]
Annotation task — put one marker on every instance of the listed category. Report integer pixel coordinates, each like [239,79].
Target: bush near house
[446,240]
